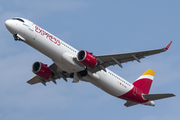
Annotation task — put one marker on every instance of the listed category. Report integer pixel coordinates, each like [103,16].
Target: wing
[117,59]
[56,74]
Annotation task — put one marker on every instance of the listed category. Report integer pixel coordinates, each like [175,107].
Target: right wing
[117,59]
[57,74]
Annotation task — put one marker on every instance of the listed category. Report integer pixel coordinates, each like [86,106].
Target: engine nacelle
[41,70]
[86,58]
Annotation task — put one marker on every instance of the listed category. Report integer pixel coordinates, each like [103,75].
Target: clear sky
[101,27]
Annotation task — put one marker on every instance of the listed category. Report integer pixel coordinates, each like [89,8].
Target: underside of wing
[117,59]
[55,74]
[33,80]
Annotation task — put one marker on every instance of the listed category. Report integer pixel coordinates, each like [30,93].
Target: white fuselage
[62,54]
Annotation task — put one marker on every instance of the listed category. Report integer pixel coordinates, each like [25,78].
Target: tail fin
[144,81]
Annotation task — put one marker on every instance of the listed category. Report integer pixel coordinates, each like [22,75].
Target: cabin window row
[68,47]
[119,78]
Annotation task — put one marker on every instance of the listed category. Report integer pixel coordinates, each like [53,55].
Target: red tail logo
[144,82]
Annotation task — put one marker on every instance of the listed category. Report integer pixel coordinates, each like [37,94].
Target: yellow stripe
[149,72]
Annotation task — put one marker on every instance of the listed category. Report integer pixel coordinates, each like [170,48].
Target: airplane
[83,65]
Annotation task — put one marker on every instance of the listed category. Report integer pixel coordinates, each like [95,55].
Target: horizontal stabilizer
[129,104]
[157,96]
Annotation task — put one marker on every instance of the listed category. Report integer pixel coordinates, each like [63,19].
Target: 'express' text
[44,33]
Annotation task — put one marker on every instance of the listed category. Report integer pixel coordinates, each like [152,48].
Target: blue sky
[101,27]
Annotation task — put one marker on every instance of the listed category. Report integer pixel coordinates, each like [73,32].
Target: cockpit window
[18,19]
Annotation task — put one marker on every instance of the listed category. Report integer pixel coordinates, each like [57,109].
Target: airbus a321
[83,65]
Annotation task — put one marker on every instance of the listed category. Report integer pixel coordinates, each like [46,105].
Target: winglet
[167,47]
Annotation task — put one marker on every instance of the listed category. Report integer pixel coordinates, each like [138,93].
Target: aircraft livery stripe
[149,72]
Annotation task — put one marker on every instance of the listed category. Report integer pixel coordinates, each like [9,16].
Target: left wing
[108,60]
[56,74]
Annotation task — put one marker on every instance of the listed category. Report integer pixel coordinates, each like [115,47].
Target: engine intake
[41,70]
[86,58]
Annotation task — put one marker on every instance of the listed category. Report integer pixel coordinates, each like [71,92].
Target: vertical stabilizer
[144,82]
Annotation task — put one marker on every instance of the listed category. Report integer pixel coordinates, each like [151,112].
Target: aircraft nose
[8,24]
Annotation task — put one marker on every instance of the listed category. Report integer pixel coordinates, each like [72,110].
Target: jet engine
[41,70]
[86,59]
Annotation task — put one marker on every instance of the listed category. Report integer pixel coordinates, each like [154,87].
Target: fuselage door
[29,24]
